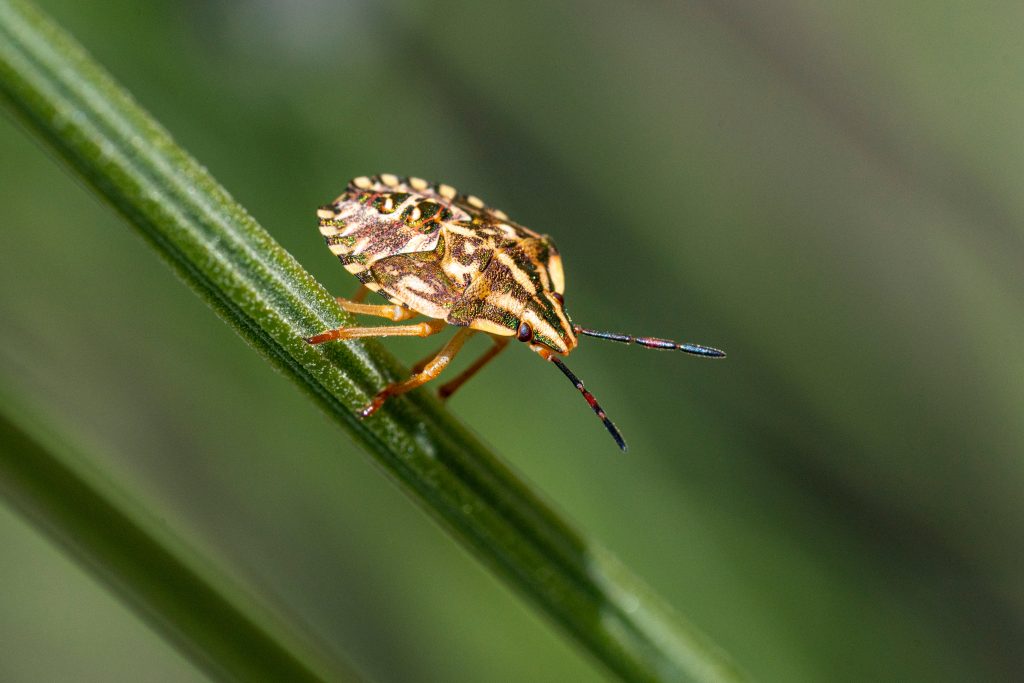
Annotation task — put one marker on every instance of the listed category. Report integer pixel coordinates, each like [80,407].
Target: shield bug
[432,251]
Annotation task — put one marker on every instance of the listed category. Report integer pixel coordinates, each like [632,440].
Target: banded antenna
[609,425]
[649,342]
[653,343]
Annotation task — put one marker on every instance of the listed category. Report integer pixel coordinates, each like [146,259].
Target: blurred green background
[830,192]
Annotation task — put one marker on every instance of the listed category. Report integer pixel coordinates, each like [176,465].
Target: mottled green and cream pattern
[448,256]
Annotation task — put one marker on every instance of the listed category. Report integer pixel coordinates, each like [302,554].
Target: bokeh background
[829,191]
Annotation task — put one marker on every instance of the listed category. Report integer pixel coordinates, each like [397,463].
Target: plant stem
[261,291]
[187,601]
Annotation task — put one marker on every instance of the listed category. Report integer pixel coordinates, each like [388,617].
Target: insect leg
[449,388]
[423,329]
[431,370]
[361,294]
[389,311]
[422,363]
[499,342]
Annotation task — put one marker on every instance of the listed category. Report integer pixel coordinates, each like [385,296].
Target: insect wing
[367,227]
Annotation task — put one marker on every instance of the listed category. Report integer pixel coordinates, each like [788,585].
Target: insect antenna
[612,429]
[653,343]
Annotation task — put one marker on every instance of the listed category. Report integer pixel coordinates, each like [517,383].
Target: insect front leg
[431,369]
[449,388]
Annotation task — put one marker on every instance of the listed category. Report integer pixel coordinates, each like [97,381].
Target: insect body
[430,250]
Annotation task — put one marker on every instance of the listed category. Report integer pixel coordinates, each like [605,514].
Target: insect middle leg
[430,370]
[389,311]
[423,329]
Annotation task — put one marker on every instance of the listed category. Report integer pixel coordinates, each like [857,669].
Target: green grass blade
[188,602]
[258,288]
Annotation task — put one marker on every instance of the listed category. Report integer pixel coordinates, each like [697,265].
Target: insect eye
[559,298]
[524,333]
